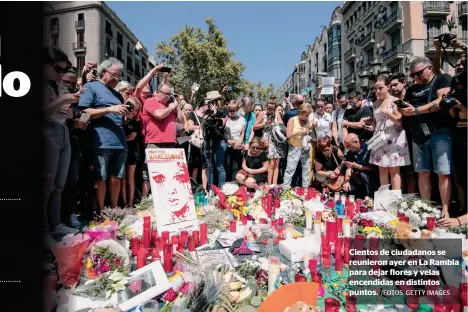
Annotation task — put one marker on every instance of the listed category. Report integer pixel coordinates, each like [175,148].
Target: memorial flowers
[102,261]
[417,210]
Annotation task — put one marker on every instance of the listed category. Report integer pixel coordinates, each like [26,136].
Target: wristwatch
[416,112]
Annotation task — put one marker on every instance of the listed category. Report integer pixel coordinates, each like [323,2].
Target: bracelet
[459,222]
[416,112]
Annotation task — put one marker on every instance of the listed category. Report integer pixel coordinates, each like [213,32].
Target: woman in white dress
[395,152]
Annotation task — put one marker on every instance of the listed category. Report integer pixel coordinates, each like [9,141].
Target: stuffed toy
[301,307]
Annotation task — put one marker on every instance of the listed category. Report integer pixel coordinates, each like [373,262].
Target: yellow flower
[375,229]
[89,263]
[344,293]
[335,284]
[325,286]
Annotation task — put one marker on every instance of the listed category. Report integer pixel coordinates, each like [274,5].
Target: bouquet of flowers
[102,260]
[369,228]
[234,203]
[416,209]
[103,230]
[103,287]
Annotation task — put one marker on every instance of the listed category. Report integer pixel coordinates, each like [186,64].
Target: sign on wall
[173,202]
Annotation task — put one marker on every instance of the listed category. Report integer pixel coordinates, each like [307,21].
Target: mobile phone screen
[84,117]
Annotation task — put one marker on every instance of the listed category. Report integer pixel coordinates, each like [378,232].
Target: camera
[76,113]
[213,123]
[446,38]
[130,105]
[457,92]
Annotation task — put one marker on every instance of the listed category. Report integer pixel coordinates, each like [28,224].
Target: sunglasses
[166,94]
[60,70]
[116,76]
[418,73]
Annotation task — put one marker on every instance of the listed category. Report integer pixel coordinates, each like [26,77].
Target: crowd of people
[97,128]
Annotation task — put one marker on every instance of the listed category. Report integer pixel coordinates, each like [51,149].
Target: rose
[170,295]
[188,288]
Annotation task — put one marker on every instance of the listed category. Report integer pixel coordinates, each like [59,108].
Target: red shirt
[158,130]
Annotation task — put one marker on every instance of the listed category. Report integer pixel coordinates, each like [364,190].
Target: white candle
[317,228]
[306,232]
[337,196]
[308,216]
[318,197]
[346,228]
[306,259]
[343,199]
[351,198]
[273,272]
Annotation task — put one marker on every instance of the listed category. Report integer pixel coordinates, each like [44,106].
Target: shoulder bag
[336,184]
[197,137]
[378,140]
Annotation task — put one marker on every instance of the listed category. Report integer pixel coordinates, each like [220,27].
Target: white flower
[404,205]
[424,216]
[415,208]
[417,203]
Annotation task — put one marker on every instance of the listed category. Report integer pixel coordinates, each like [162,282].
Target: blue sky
[267,37]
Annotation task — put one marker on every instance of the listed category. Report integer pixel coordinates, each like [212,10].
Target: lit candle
[182,242]
[331,231]
[308,216]
[269,203]
[233,226]
[167,258]
[203,234]
[196,238]
[273,272]
[346,228]
[336,197]
[175,242]
[306,232]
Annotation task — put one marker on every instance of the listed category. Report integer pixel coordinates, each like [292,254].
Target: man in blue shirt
[106,110]
[297,102]
[360,176]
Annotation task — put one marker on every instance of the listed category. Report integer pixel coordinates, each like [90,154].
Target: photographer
[431,129]
[214,133]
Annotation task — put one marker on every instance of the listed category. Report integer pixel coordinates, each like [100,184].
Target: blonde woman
[298,128]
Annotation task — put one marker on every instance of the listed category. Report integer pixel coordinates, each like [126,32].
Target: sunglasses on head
[418,73]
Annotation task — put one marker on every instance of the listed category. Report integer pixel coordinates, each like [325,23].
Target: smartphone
[166,70]
[195,86]
[400,104]
[84,117]
[286,94]
[370,121]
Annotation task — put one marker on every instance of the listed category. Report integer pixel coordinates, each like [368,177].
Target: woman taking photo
[327,161]
[276,149]
[298,128]
[394,153]
[254,166]
[132,127]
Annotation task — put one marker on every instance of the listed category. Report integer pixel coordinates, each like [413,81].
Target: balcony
[462,9]
[394,55]
[79,47]
[368,40]
[431,8]
[80,25]
[109,33]
[393,21]
[350,79]
[130,67]
[108,52]
[54,29]
[429,45]
[350,54]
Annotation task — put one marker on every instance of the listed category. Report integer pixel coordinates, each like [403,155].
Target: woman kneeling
[254,166]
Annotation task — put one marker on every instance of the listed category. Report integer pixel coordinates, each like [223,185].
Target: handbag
[336,184]
[197,137]
[420,130]
[378,140]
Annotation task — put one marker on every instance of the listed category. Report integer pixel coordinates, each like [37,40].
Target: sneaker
[74,222]
[62,230]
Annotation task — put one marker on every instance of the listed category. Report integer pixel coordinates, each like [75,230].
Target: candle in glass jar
[165,236]
[308,217]
[336,196]
[312,265]
[332,305]
[343,199]
[233,226]
[430,223]
[346,228]
[191,243]
[280,221]
[203,234]
[306,232]
[318,197]
[168,258]
[155,255]
[141,257]
[331,230]
[273,272]
[289,231]
[196,238]
[317,228]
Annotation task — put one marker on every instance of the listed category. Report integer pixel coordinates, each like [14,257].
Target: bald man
[360,178]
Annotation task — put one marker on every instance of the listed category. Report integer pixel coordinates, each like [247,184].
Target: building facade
[390,33]
[89,31]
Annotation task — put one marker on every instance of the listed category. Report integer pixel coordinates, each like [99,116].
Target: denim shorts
[436,154]
[109,162]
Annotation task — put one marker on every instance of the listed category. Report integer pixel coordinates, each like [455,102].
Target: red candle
[182,241]
[330,204]
[430,223]
[244,220]
[331,230]
[269,209]
[359,245]
[310,193]
[146,235]
[203,234]
[338,261]
[277,203]
[346,243]
[332,305]
[312,266]
[264,202]
[165,236]
[412,302]
[273,223]
[316,277]
[350,210]
[155,255]
[405,219]
[154,237]
[280,221]
[147,220]
[191,243]
[233,226]
[350,304]
[175,241]
[339,225]
[196,238]
[167,258]
[141,257]
[184,234]
[134,245]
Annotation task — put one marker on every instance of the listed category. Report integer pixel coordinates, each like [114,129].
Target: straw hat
[213,95]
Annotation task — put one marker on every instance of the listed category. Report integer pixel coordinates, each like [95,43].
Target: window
[80,62]
[395,38]
[393,6]
[370,55]
[463,29]
[433,28]
[80,36]
[119,39]
[119,53]
[369,28]
[143,62]
[129,50]
[395,69]
[351,67]
[351,43]
[108,43]
[108,28]
[55,41]
[129,63]
[81,16]
[54,24]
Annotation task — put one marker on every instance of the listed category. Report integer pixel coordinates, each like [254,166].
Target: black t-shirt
[418,95]
[330,163]
[353,115]
[255,162]
[193,118]
[133,125]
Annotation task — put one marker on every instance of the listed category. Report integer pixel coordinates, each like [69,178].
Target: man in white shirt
[321,122]
[337,119]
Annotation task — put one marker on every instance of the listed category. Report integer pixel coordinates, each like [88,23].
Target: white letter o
[8,86]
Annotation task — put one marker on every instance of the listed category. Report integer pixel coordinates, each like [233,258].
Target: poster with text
[171,190]
[328,85]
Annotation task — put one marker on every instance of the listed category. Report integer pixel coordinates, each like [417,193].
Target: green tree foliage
[202,57]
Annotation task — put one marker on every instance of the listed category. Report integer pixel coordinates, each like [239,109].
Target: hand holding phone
[400,104]
[166,70]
